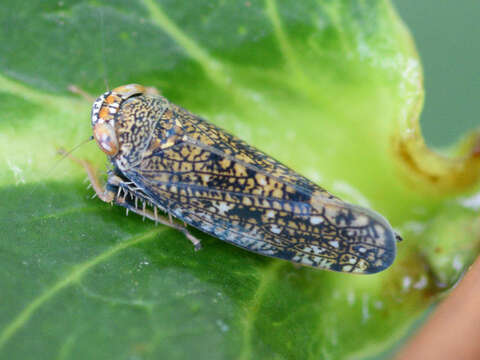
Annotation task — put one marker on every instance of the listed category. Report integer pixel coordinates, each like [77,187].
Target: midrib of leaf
[76,274]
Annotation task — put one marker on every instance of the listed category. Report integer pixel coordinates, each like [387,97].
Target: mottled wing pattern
[226,188]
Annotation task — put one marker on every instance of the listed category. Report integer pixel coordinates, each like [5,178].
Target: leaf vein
[76,274]
[211,66]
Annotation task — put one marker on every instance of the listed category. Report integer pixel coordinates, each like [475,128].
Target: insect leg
[104,193]
[167,221]
[76,90]
[196,242]
[112,192]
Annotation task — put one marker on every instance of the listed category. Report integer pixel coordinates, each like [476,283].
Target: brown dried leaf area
[436,173]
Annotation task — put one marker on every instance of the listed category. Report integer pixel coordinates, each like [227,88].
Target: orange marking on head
[111,99]
[103,113]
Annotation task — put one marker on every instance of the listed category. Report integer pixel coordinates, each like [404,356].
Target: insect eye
[106,138]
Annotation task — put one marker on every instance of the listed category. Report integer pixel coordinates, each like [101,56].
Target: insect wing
[228,189]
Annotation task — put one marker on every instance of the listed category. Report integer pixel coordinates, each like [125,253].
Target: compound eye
[106,138]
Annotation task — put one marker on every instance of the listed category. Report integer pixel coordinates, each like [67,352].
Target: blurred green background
[446,34]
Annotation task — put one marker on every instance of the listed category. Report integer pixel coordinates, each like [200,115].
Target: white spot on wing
[223,207]
[275,229]
[334,244]
[268,252]
[270,214]
[316,250]
[306,261]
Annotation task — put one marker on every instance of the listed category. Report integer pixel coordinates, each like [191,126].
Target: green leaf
[331,88]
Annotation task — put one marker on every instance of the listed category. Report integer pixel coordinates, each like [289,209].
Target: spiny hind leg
[112,192]
[153,215]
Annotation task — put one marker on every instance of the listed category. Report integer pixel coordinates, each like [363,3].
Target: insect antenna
[64,154]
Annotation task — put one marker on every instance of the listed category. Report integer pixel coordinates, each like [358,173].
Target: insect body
[180,164]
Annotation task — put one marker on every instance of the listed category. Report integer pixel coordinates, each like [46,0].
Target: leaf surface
[330,88]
